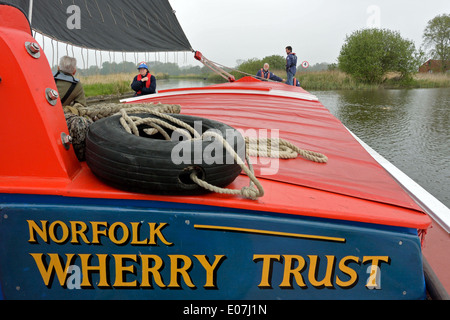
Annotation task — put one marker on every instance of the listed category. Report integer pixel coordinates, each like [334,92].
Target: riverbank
[119,84]
[338,80]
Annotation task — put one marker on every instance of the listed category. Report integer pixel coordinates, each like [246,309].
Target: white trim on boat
[432,206]
[276,93]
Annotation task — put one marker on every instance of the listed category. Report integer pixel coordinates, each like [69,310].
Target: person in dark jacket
[69,88]
[264,74]
[144,83]
[291,65]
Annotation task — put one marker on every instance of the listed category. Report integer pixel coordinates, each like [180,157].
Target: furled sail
[109,25]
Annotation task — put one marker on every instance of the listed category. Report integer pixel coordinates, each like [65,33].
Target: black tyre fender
[144,164]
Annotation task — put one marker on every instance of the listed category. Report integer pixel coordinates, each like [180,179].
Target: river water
[409,127]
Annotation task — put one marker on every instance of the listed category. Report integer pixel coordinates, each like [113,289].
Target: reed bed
[112,84]
[433,80]
[118,84]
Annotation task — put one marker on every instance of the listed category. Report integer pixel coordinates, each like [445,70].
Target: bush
[369,54]
[437,38]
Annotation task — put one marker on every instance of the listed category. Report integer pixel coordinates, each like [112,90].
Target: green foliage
[252,66]
[101,89]
[369,54]
[437,38]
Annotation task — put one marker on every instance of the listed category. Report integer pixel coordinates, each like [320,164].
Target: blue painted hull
[68,248]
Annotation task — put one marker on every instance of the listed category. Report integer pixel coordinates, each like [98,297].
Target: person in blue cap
[144,83]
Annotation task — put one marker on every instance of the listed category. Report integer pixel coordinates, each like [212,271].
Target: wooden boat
[344,229]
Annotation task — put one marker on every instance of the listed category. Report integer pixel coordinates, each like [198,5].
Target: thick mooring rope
[255,147]
[103,110]
[280,148]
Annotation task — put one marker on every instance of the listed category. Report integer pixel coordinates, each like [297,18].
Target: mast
[30,11]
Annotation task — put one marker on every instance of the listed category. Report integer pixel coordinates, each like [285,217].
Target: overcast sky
[226,31]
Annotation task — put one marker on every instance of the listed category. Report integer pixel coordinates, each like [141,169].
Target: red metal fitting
[198,55]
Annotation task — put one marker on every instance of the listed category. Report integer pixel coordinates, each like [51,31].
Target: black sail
[109,25]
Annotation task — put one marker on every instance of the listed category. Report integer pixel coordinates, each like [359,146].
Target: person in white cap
[144,83]
[264,74]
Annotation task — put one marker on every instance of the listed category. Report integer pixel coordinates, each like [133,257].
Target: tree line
[169,68]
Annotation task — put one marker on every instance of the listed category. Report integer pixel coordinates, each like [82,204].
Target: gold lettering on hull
[175,271]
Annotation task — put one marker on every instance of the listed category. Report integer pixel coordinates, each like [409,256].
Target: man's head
[143,68]
[266,66]
[288,49]
[68,65]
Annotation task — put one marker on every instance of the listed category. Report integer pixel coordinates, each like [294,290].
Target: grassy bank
[119,84]
[338,80]
[329,80]
[113,84]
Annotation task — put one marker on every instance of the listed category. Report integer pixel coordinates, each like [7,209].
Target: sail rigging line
[135,18]
[112,15]
[87,8]
[100,11]
[214,67]
[53,53]
[96,62]
[123,16]
[219,68]
[87,58]
[82,56]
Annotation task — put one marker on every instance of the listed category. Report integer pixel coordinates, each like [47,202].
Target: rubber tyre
[144,164]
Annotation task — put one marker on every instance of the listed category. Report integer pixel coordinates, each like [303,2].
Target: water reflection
[410,128]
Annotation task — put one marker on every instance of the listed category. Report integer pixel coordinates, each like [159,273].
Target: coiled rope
[103,110]
[280,148]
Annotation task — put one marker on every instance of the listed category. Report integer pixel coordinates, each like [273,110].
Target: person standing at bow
[291,65]
[144,83]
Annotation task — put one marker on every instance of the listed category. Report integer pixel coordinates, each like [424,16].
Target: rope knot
[250,193]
